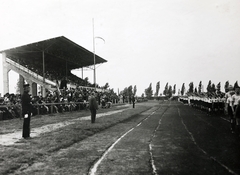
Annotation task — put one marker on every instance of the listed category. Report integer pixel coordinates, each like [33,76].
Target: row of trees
[211,88]
[129,91]
[169,90]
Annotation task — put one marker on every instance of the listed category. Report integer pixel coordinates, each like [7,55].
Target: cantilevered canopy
[60,54]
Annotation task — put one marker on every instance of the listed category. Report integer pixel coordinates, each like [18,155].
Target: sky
[146,41]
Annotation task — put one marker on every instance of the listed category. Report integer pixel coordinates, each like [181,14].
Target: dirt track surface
[175,139]
[168,138]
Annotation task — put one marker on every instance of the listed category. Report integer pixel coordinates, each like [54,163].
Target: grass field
[17,158]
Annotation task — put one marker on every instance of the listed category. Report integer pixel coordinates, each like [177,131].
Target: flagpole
[94,68]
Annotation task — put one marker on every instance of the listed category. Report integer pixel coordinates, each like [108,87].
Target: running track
[173,138]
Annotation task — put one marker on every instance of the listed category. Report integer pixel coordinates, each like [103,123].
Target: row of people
[58,101]
[205,102]
[227,104]
[233,108]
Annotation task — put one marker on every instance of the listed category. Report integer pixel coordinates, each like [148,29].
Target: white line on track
[194,141]
[225,119]
[93,169]
[151,145]
[150,148]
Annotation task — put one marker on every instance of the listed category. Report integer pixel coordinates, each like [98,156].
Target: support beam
[21,83]
[82,72]
[5,74]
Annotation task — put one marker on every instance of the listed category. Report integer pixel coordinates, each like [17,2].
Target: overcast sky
[146,41]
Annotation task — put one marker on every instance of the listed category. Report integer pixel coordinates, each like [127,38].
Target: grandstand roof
[60,54]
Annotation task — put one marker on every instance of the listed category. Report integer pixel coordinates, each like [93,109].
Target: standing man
[26,111]
[93,106]
[230,111]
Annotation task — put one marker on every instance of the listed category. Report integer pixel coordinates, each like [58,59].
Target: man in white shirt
[236,102]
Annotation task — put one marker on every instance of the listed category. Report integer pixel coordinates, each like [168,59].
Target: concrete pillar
[82,72]
[21,83]
[5,74]
[34,89]
[41,91]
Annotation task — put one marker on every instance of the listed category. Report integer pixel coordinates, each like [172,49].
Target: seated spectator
[63,84]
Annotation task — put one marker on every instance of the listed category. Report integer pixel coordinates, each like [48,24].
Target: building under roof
[60,54]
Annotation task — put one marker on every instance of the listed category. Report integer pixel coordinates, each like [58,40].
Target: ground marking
[151,145]
[93,169]
[192,138]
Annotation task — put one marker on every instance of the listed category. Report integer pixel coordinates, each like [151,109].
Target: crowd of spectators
[64,98]
[58,101]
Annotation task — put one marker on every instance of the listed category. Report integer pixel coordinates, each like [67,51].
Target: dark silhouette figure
[93,106]
[26,111]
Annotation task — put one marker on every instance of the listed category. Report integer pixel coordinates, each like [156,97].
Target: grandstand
[47,62]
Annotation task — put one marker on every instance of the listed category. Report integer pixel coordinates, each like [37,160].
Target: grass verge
[28,152]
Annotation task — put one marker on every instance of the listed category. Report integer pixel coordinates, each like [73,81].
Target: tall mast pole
[94,68]
[44,87]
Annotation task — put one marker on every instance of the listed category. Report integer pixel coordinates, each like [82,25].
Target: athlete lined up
[236,108]
[233,108]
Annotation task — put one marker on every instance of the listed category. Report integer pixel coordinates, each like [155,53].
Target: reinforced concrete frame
[23,76]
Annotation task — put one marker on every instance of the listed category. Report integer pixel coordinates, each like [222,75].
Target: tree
[200,87]
[219,88]
[183,89]
[130,93]
[130,90]
[235,85]
[169,94]
[191,87]
[213,89]
[157,88]
[149,91]
[134,90]
[195,90]
[165,92]
[209,87]
[226,86]
[125,92]
[174,89]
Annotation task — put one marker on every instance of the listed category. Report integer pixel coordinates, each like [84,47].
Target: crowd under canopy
[53,56]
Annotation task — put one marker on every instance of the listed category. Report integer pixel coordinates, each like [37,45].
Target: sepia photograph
[119,87]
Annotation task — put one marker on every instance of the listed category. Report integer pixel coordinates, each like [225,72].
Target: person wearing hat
[93,106]
[26,111]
